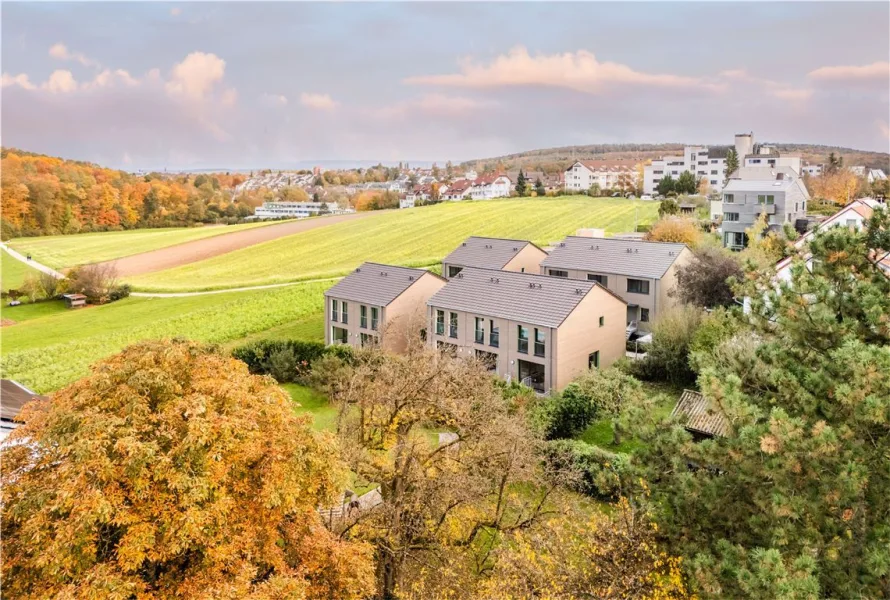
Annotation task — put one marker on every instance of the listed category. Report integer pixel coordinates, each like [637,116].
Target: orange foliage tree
[171,472]
[673,229]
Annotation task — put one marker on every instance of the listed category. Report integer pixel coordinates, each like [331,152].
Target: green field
[49,352]
[416,237]
[61,251]
[13,271]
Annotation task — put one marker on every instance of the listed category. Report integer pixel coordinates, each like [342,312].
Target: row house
[493,253]
[377,304]
[540,331]
[607,174]
[641,273]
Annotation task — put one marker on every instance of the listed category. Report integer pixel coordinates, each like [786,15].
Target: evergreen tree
[732,163]
[539,187]
[666,185]
[521,184]
[793,501]
[686,183]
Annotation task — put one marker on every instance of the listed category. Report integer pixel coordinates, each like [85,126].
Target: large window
[728,198]
[731,217]
[335,310]
[532,375]
[363,316]
[375,317]
[453,271]
[593,360]
[494,336]
[638,286]
[603,280]
[766,199]
[480,330]
[452,325]
[522,341]
[734,240]
[345,313]
[540,342]
[368,339]
[440,322]
[339,335]
[557,273]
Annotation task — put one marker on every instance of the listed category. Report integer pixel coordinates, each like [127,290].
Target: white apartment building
[608,174]
[298,210]
[709,163]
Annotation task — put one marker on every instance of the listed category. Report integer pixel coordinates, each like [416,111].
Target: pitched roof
[375,283]
[524,297]
[634,258]
[701,417]
[485,253]
[617,165]
[13,396]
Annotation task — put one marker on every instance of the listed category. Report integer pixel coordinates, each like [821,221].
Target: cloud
[175,11]
[878,71]
[21,80]
[60,82]
[434,105]
[777,89]
[196,75]
[61,52]
[229,97]
[318,101]
[108,77]
[580,71]
[273,100]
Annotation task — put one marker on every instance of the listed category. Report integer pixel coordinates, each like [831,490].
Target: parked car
[645,197]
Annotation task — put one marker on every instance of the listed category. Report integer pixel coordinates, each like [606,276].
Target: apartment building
[298,210]
[493,253]
[778,192]
[709,163]
[378,304]
[607,174]
[641,273]
[538,330]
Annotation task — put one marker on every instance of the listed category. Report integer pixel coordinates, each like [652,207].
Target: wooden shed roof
[701,417]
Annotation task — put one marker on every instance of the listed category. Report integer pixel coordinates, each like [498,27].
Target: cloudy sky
[247,85]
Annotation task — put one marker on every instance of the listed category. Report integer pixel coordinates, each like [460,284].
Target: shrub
[50,285]
[667,358]
[704,281]
[119,292]
[563,415]
[31,288]
[585,468]
[668,207]
[673,229]
[287,360]
[96,282]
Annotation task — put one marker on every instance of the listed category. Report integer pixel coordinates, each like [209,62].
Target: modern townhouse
[493,253]
[778,192]
[378,304]
[538,330]
[641,273]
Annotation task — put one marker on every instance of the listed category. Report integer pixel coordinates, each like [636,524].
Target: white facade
[871,174]
[486,188]
[407,201]
[298,210]
[811,170]
[583,174]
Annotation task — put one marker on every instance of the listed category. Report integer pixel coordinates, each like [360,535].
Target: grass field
[49,352]
[61,251]
[27,311]
[13,271]
[416,237]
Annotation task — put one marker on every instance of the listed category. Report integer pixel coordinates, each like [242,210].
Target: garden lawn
[62,251]
[47,353]
[324,415]
[414,237]
[13,271]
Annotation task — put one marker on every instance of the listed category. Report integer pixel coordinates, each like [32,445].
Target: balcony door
[532,375]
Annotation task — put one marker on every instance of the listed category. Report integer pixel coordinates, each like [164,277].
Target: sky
[252,85]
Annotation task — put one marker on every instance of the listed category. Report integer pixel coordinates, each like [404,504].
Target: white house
[871,174]
[607,174]
[487,187]
[299,210]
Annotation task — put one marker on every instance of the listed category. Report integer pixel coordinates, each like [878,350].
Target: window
[593,360]
[375,317]
[489,359]
[339,335]
[453,271]
[713,171]
[480,330]
[522,345]
[345,312]
[644,315]
[602,321]
[603,280]
[368,340]
[713,182]
[440,322]
[713,161]
[452,325]
[557,273]
[755,161]
[734,240]
[494,336]
[803,206]
[637,286]
[658,172]
[766,199]
[363,316]
[728,198]
[731,217]
[539,342]
[446,348]
[335,310]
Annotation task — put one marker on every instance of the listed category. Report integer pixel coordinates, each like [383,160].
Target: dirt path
[189,252]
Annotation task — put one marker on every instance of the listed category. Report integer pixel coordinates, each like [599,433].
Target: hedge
[285,360]
[591,470]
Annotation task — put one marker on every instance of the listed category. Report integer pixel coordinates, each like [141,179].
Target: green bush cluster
[667,357]
[286,360]
[585,468]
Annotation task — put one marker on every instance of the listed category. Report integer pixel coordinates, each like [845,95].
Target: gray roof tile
[524,297]
[485,253]
[377,284]
[632,258]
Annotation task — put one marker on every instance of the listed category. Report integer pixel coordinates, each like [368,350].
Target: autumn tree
[454,495]
[170,472]
[674,229]
[793,501]
[706,280]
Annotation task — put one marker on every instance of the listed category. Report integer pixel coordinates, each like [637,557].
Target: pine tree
[539,188]
[732,163]
[521,184]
